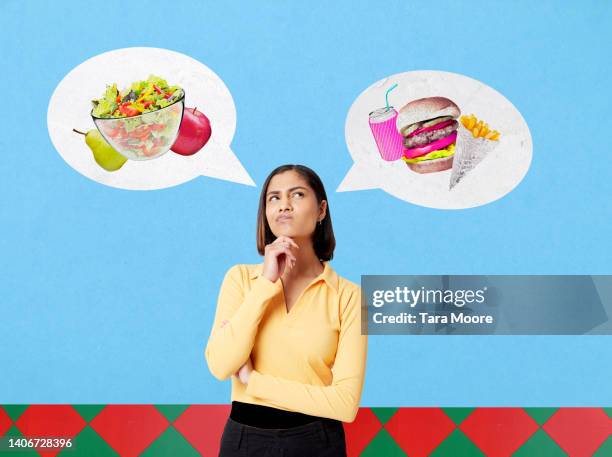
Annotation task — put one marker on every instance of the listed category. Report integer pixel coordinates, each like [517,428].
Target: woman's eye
[298,193]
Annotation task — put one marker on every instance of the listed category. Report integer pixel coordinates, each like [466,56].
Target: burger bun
[425,109]
[432,166]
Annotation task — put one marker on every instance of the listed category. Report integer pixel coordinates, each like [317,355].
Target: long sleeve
[340,400]
[229,346]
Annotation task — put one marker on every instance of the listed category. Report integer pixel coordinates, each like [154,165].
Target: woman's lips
[283,218]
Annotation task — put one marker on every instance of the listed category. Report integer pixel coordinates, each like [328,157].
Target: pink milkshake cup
[389,141]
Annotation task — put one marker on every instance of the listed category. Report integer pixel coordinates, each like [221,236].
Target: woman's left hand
[244,373]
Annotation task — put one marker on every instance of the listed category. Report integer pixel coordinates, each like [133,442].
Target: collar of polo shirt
[328,275]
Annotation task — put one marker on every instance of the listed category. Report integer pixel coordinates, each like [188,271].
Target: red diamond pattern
[499,432]
[129,429]
[418,431]
[202,426]
[53,421]
[361,431]
[579,431]
[5,422]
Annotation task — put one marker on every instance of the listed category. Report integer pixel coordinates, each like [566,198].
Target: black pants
[322,438]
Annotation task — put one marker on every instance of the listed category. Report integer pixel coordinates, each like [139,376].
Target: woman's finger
[288,240]
[280,249]
[289,254]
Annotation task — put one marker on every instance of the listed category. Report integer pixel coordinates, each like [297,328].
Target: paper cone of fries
[469,153]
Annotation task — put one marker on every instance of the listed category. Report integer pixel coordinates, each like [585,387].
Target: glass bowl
[146,136]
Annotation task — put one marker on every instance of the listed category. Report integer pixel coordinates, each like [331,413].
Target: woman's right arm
[230,345]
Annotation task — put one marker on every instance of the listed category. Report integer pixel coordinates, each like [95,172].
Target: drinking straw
[387,95]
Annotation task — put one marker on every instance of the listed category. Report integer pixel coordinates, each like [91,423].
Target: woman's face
[291,206]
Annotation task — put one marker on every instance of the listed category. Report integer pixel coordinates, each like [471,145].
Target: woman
[288,331]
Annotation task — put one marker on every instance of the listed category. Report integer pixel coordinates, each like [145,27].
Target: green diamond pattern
[171,412]
[14,432]
[384,414]
[170,444]
[457,415]
[457,444]
[88,412]
[383,444]
[88,444]
[540,415]
[14,411]
[540,444]
[605,450]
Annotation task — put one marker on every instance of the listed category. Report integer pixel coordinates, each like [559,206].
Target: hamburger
[429,127]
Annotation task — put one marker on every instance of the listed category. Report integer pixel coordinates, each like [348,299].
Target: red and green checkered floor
[195,430]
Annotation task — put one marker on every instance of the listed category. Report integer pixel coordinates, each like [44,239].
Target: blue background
[107,296]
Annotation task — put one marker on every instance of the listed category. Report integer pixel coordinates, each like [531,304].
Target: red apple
[194,132]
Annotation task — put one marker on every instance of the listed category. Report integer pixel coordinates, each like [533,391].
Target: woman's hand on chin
[244,373]
[278,256]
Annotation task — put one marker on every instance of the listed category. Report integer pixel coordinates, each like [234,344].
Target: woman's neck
[307,263]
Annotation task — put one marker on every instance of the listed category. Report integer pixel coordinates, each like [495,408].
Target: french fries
[479,128]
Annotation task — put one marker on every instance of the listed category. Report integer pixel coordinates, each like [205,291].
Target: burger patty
[431,136]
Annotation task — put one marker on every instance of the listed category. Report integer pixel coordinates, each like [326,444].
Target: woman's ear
[322,209]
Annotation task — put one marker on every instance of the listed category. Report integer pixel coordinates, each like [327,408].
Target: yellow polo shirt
[310,360]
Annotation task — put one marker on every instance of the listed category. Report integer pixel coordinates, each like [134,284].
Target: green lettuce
[438,154]
[140,97]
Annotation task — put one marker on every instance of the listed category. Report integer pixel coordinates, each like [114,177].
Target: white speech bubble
[70,107]
[498,173]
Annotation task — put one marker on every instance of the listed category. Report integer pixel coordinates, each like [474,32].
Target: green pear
[104,154]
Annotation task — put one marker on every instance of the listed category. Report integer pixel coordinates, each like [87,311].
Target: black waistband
[266,417]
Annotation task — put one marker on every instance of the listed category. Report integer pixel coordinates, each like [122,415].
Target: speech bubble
[70,107]
[503,167]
